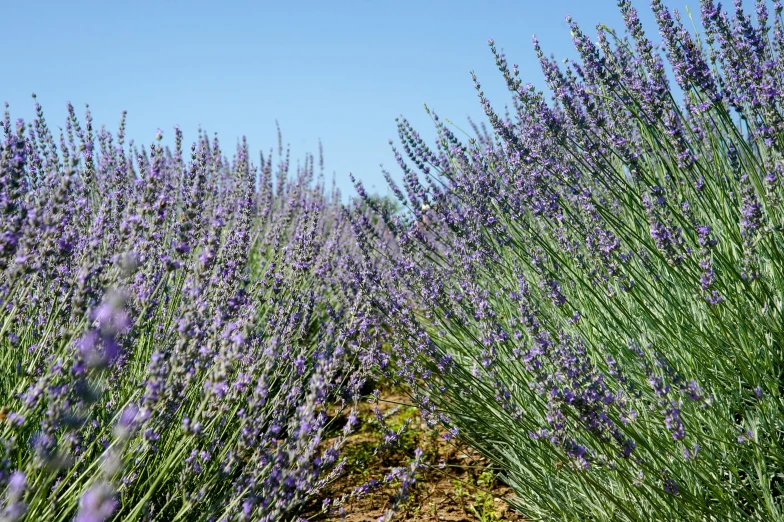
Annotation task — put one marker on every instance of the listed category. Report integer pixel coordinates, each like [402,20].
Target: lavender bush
[172,331]
[591,293]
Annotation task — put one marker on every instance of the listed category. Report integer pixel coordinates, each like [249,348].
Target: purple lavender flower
[15,509]
[97,504]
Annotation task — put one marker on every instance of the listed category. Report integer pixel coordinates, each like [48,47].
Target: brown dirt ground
[464,490]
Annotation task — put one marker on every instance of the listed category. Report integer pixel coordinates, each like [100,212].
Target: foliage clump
[591,292]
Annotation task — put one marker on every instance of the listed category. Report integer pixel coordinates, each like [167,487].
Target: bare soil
[457,484]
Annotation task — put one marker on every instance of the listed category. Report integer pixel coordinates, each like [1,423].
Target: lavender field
[571,312]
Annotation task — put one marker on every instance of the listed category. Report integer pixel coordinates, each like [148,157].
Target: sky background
[339,70]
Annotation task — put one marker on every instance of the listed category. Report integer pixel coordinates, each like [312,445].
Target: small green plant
[460,493]
[484,505]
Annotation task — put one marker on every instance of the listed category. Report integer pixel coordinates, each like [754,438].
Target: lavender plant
[590,293]
[172,331]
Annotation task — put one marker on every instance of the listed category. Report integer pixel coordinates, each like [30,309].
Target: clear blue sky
[337,70]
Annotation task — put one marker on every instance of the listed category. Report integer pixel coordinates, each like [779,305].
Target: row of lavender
[597,284]
[172,332]
[590,295]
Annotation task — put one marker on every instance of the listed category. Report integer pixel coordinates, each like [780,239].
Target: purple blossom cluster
[177,336]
